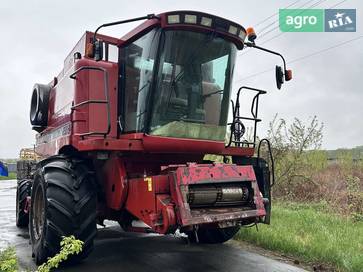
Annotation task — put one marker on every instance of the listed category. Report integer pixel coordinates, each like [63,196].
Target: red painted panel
[114,183]
[159,144]
[149,200]
[86,118]
[161,201]
[166,145]
[50,148]
[183,176]
[60,102]
[141,201]
[238,151]
[214,173]
[92,144]
[90,86]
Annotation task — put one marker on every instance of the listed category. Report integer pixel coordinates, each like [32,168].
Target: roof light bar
[206,21]
[242,35]
[174,19]
[190,19]
[232,30]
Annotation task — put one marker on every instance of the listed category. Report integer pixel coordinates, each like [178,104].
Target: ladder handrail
[237,117]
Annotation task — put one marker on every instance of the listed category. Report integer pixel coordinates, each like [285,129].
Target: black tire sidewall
[38,246]
[17,205]
[22,219]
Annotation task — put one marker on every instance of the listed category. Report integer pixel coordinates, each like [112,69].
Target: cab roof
[192,21]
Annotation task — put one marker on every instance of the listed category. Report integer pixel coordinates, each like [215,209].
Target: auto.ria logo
[317,20]
[340,20]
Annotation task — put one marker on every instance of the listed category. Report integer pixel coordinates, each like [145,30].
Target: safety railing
[237,128]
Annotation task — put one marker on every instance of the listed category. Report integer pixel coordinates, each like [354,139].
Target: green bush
[69,246]
[295,148]
[8,261]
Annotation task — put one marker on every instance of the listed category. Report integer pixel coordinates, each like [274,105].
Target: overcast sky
[38,35]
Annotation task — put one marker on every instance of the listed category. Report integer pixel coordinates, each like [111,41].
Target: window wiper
[144,86]
[205,96]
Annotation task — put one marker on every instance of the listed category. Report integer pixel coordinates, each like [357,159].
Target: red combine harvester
[123,131]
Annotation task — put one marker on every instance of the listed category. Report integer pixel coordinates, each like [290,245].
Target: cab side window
[138,60]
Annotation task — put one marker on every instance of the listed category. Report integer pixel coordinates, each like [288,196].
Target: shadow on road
[119,251]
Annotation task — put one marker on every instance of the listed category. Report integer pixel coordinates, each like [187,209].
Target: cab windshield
[192,93]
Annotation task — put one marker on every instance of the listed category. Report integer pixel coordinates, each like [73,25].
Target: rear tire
[213,236]
[22,192]
[63,203]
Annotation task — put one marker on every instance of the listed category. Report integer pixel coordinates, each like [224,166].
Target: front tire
[213,235]
[63,203]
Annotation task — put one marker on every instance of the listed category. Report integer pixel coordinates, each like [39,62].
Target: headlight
[190,19]
[242,35]
[233,30]
[174,19]
[206,21]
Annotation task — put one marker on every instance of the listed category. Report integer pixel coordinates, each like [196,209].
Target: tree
[296,151]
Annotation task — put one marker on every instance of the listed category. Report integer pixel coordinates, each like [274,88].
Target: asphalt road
[119,251]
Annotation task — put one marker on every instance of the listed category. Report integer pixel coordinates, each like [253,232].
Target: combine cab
[124,130]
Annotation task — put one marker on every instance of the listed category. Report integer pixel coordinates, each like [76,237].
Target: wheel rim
[38,213]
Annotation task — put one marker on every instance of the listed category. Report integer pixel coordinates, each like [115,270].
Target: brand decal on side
[51,136]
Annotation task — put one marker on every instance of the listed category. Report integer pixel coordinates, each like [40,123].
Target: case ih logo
[340,20]
[317,20]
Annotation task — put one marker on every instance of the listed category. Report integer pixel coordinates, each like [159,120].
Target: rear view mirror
[279,76]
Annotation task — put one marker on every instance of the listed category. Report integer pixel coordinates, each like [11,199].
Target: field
[11,176]
[317,213]
[311,234]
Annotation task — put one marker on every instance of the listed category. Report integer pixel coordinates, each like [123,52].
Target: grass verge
[11,176]
[311,234]
[8,261]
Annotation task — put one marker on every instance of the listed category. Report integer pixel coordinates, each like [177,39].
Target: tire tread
[71,198]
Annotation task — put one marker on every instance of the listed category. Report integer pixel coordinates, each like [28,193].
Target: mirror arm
[250,44]
[149,16]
